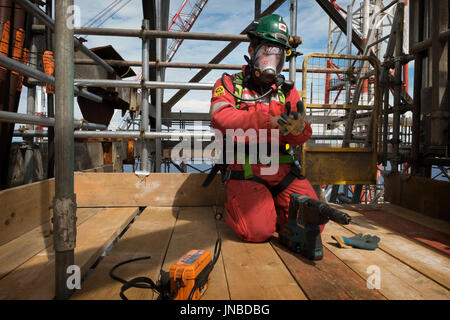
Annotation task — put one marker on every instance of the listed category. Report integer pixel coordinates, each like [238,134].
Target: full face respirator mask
[268,61]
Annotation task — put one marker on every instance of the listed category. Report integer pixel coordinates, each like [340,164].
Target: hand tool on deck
[301,233]
[187,279]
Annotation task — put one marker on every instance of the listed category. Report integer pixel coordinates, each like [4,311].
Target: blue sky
[218,16]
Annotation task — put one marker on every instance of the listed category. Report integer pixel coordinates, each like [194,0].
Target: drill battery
[188,278]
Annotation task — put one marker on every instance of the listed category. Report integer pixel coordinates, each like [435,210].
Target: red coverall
[251,209]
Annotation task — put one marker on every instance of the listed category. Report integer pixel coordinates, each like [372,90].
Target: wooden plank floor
[408,269]
[412,258]
[34,278]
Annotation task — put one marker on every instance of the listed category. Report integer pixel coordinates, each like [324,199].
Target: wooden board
[35,278]
[326,279]
[432,223]
[429,262]
[158,190]
[19,250]
[196,229]
[24,208]
[148,235]
[398,280]
[431,238]
[254,271]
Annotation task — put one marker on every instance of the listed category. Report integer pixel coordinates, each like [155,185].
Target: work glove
[294,123]
[360,241]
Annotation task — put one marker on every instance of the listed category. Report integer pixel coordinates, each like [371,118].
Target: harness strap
[214,170]
[274,190]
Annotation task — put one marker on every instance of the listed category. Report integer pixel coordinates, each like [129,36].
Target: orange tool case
[187,271]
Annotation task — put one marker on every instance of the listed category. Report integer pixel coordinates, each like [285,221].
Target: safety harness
[247,172]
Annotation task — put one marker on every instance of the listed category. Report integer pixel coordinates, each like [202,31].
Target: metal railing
[14,117]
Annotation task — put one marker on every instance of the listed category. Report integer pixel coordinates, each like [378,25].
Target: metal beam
[146,135]
[153,34]
[340,22]
[257,9]
[293,33]
[189,65]
[440,101]
[158,91]
[64,203]
[139,84]
[14,117]
[156,135]
[423,45]
[123,134]
[144,124]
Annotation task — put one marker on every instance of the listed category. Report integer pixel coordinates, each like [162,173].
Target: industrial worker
[260,98]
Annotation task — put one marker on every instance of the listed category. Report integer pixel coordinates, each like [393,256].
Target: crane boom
[183,21]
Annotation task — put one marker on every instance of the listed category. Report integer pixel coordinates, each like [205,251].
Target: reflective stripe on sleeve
[218,105]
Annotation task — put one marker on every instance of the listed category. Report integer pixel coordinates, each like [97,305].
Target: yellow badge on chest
[220,91]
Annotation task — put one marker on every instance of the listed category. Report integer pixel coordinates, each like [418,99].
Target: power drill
[301,233]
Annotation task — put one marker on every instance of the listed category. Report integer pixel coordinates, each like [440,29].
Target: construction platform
[121,217]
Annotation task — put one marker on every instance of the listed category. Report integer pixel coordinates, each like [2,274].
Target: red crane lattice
[183,21]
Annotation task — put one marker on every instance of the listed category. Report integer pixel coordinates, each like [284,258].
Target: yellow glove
[294,123]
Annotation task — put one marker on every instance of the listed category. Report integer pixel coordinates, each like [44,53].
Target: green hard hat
[272,28]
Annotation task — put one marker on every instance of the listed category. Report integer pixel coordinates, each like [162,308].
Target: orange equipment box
[191,270]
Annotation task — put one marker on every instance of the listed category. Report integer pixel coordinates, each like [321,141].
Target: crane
[183,21]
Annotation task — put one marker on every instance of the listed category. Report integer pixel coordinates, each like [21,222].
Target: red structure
[183,20]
